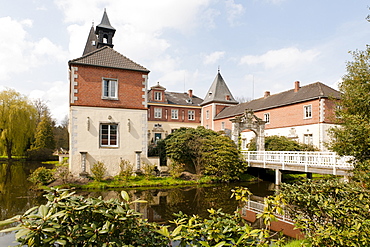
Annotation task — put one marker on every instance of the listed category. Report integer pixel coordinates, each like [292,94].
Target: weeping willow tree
[17,122]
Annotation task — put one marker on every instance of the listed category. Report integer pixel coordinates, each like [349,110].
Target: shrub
[127,169]
[40,154]
[70,220]
[41,176]
[62,172]
[176,168]
[98,170]
[148,169]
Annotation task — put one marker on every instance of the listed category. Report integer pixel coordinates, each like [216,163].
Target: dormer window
[158,96]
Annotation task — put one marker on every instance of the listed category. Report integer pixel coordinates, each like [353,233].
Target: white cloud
[20,53]
[286,57]
[234,11]
[214,57]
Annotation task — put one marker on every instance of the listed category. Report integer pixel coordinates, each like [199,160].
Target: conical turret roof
[219,92]
[105,22]
[91,43]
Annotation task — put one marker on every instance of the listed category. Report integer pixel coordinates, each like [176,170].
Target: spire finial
[218,70]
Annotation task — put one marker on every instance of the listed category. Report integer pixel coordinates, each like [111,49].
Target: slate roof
[218,92]
[305,93]
[174,98]
[107,57]
[105,23]
[91,43]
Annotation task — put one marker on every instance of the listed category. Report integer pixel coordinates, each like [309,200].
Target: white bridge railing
[307,159]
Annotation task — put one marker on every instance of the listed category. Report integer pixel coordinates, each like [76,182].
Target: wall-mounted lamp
[88,123]
[110,117]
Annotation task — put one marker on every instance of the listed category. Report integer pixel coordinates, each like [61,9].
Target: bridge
[308,162]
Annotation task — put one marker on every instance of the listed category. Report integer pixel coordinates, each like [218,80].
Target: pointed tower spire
[105,32]
[92,41]
[219,92]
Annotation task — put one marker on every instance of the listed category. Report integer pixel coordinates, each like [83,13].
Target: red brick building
[108,107]
[168,111]
[304,114]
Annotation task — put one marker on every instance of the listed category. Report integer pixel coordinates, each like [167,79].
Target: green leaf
[48,230]
[16,228]
[61,242]
[176,231]
[125,196]
[43,210]
[21,233]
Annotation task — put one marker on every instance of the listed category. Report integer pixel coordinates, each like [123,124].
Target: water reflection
[16,197]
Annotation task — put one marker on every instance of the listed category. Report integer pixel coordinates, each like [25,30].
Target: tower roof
[91,43]
[219,92]
[105,22]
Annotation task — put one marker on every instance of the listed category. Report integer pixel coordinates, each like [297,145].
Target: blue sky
[259,45]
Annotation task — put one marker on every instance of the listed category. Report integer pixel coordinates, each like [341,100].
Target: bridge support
[277,177]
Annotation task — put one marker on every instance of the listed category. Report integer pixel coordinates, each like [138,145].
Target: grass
[142,181]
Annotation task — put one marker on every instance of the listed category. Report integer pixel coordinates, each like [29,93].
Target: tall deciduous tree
[44,137]
[17,122]
[353,136]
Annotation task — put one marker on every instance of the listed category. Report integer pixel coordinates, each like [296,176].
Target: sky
[258,45]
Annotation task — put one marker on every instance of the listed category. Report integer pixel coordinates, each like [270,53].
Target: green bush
[40,154]
[175,169]
[98,170]
[42,176]
[62,172]
[127,169]
[148,169]
[69,220]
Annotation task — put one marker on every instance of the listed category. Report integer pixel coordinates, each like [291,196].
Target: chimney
[296,86]
[267,93]
[190,92]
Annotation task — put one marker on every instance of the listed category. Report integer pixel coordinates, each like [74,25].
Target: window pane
[106,88]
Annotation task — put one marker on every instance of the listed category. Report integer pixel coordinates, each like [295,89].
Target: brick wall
[131,87]
[166,114]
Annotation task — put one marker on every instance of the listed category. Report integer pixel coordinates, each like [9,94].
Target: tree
[61,135]
[206,151]
[353,112]
[44,137]
[281,143]
[17,122]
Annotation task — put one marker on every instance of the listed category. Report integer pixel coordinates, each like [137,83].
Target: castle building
[168,111]
[107,105]
[304,114]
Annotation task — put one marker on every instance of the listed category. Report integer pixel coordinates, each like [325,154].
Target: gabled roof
[305,93]
[91,43]
[219,92]
[107,57]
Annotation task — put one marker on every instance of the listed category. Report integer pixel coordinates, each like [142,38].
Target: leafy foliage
[98,170]
[126,169]
[69,220]
[281,143]
[330,213]
[17,122]
[206,151]
[42,176]
[353,137]
[221,229]
[44,137]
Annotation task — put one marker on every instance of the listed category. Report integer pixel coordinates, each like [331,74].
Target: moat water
[17,196]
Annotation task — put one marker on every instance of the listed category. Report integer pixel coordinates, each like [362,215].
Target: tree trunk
[8,146]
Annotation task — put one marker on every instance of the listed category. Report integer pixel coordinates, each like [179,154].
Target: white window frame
[158,96]
[157,112]
[191,115]
[109,89]
[111,136]
[174,114]
[266,117]
[222,125]
[307,111]
[207,114]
